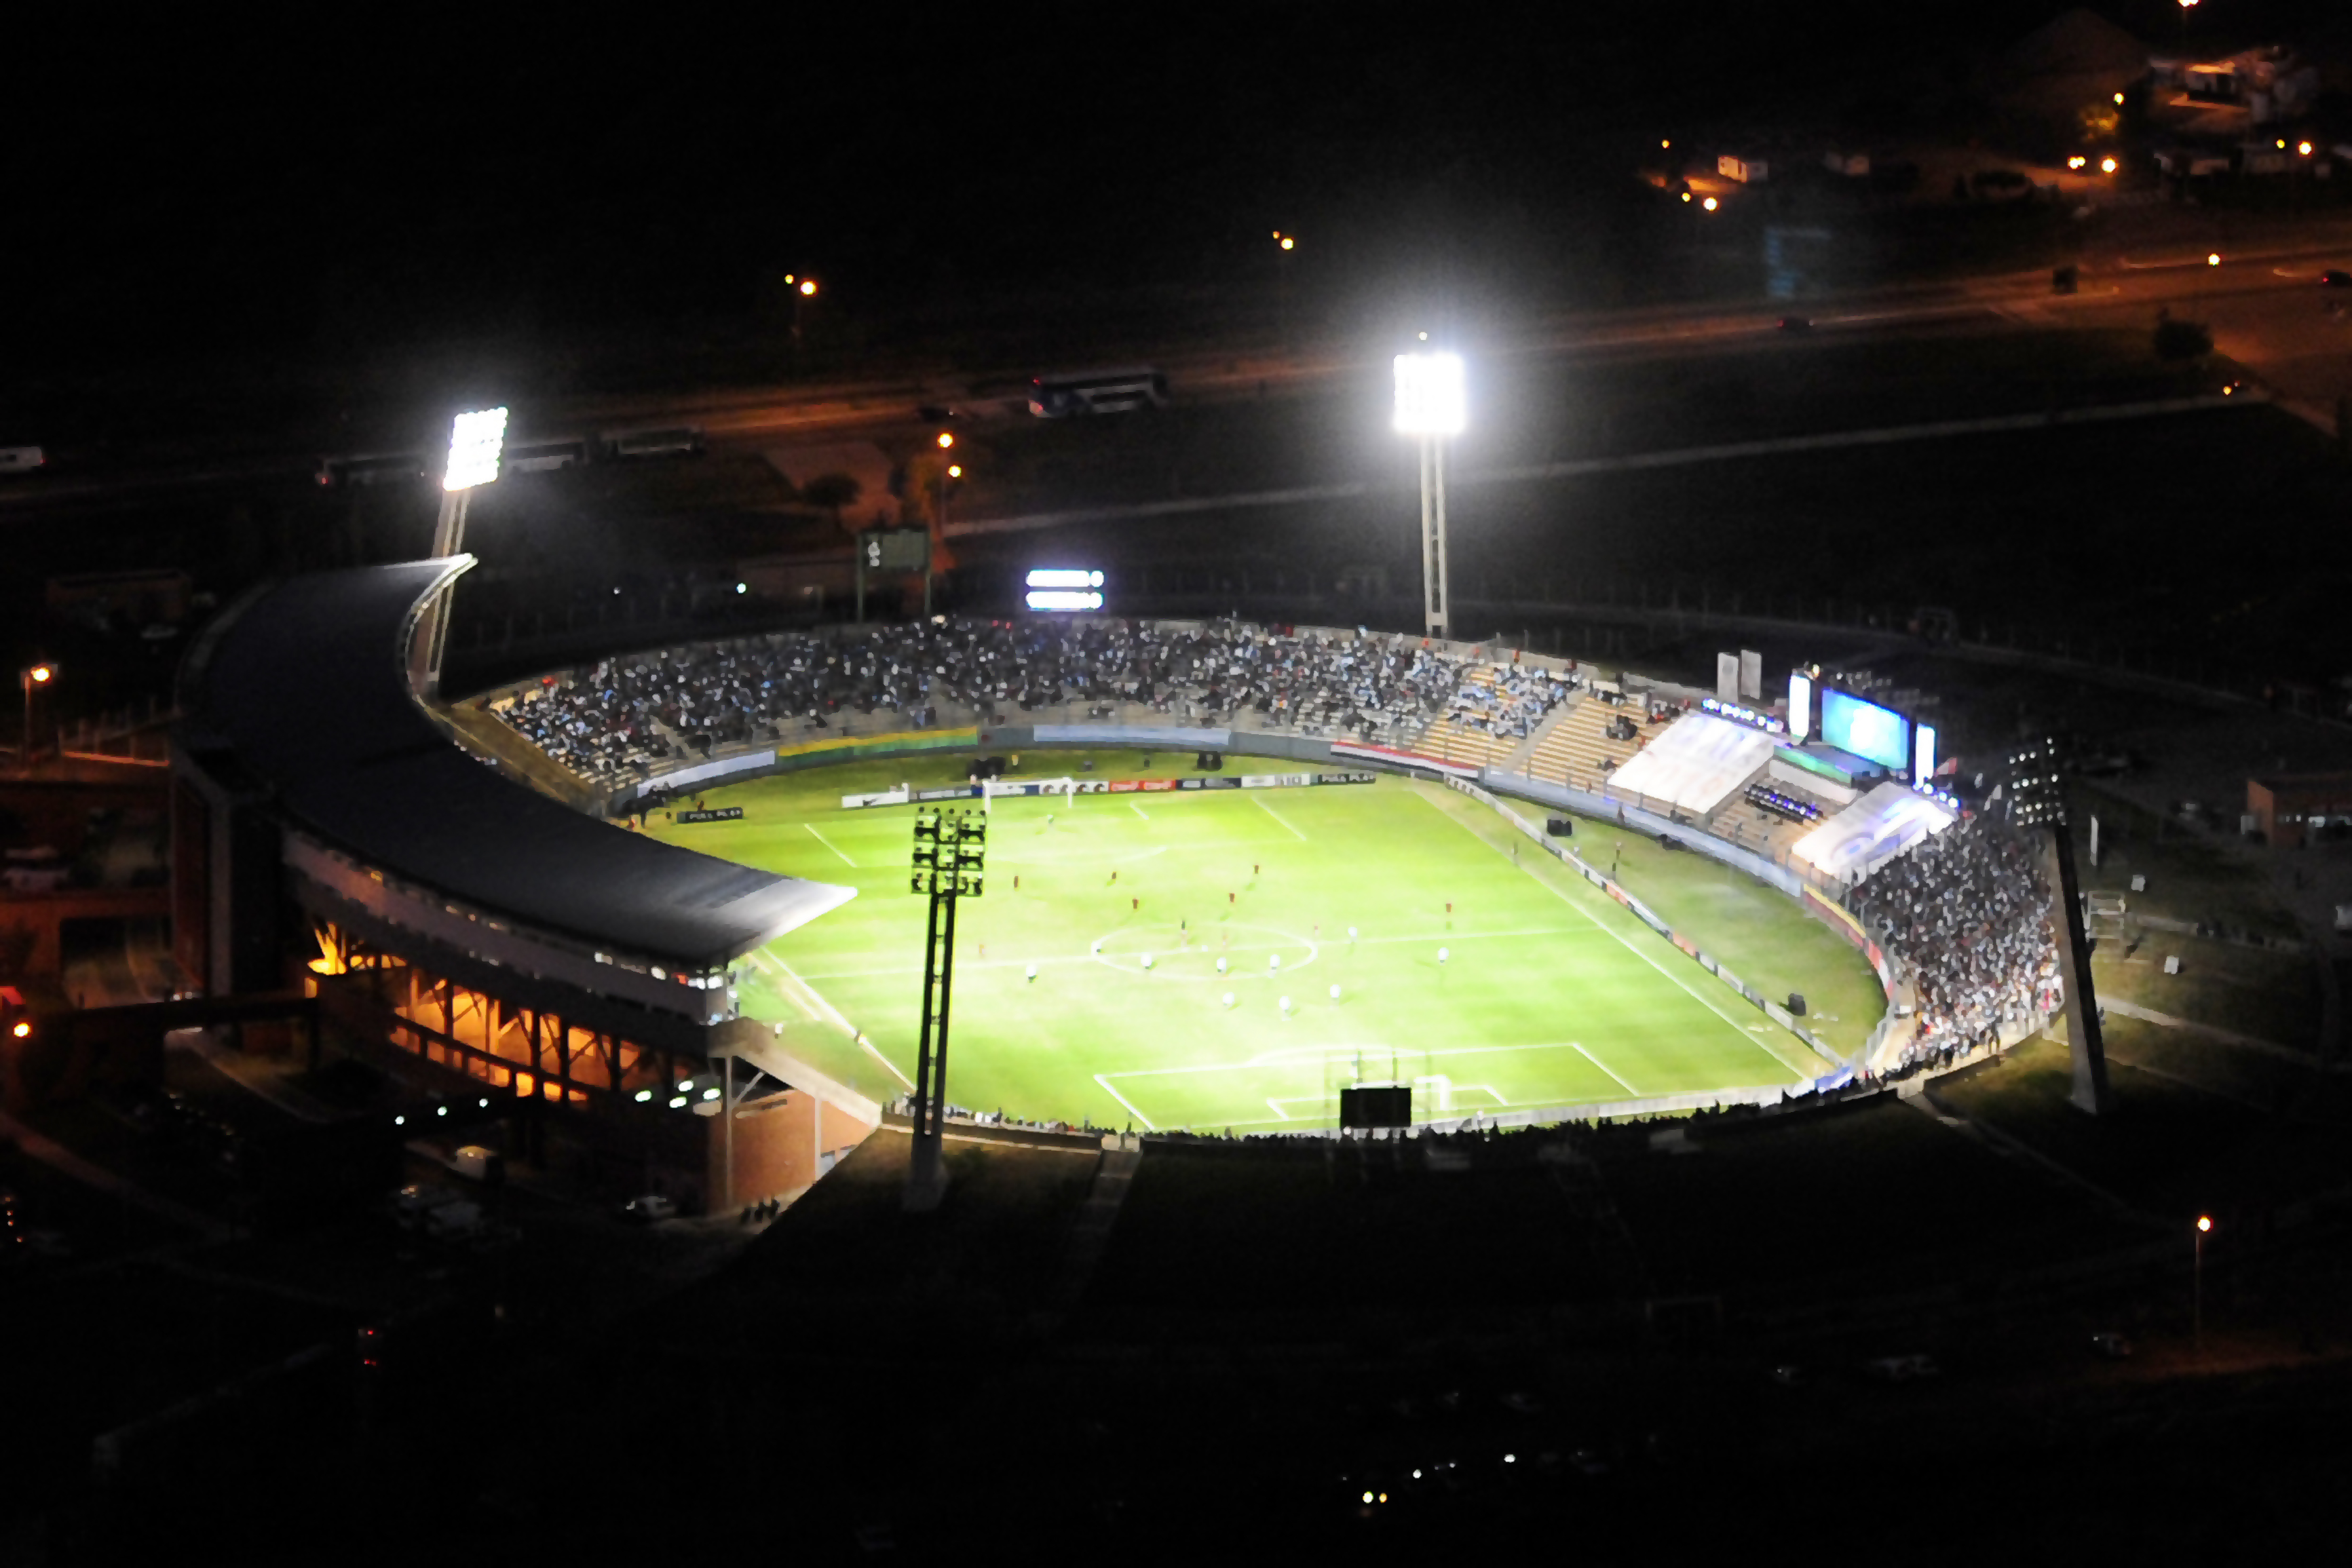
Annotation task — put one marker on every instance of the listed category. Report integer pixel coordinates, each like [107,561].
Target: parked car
[412,1203]
[1902,1368]
[2335,277]
[649,1206]
[2113,1347]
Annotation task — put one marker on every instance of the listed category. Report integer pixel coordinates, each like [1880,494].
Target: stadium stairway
[1522,758]
[1574,748]
[1091,1231]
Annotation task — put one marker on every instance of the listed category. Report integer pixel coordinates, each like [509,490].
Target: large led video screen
[1867,729]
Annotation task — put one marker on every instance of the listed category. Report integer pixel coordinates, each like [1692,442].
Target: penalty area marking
[828,843]
[1148,1125]
[1138,810]
[1278,817]
[806,997]
[1578,1046]
[1736,1025]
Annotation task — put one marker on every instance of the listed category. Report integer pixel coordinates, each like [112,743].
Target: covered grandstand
[475,930]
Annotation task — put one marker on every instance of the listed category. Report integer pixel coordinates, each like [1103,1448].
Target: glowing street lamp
[31,679]
[2197,1279]
[803,290]
[1709,203]
[2186,7]
[1431,403]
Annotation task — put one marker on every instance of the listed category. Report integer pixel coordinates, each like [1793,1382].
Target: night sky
[191,183]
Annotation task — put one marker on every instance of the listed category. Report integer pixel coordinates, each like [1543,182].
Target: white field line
[1278,817]
[1275,1106]
[803,996]
[828,843]
[1579,1048]
[1739,1026]
[1138,810]
[1308,1055]
[1147,1125]
[886,1063]
[1456,937]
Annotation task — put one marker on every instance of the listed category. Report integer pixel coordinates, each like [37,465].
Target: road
[2265,307]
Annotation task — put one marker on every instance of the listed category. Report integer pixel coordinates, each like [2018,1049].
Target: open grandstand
[487,931]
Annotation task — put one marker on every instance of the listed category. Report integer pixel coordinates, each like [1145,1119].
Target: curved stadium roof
[308,684]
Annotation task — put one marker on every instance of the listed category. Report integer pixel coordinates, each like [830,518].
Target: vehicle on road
[369,468]
[649,1206]
[21,459]
[2113,1347]
[2335,277]
[676,441]
[1071,392]
[1796,323]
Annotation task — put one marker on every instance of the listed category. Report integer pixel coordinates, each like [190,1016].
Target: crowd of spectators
[629,714]
[1511,704]
[1968,910]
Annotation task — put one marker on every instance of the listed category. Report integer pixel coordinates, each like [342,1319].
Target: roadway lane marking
[828,843]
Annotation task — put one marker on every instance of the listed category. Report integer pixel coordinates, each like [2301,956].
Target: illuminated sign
[1064,589]
[1922,752]
[1801,704]
[1865,729]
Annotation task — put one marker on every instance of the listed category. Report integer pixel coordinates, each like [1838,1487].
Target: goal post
[990,789]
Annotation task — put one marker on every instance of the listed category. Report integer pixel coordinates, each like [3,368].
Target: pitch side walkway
[1725,452]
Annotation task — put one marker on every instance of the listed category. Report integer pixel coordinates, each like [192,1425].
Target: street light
[1431,403]
[804,289]
[2197,1279]
[32,678]
[1709,203]
[2186,5]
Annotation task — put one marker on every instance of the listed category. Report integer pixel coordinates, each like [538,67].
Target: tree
[834,492]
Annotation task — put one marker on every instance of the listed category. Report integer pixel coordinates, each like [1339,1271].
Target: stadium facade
[477,934]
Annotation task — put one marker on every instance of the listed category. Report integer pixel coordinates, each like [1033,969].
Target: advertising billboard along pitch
[1865,729]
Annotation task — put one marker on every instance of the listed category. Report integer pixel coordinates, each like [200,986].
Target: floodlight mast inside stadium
[1431,403]
[475,441]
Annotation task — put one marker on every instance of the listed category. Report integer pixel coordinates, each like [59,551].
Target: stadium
[653,911]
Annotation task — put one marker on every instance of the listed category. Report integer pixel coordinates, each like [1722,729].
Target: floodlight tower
[2037,798]
[476,440]
[1430,403]
[950,849]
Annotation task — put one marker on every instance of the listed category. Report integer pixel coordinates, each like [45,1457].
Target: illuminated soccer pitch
[1092,980]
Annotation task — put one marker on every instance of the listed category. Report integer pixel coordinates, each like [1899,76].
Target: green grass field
[1124,905]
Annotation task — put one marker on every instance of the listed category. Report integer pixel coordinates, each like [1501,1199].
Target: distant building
[2291,809]
[1746,169]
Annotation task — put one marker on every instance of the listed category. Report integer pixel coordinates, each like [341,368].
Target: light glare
[1431,394]
[1063,599]
[1056,577]
[475,441]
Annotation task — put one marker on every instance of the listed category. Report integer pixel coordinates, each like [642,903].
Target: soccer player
[1252,868]
[1229,901]
[1449,906]
[1135,903]
[1016,881]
